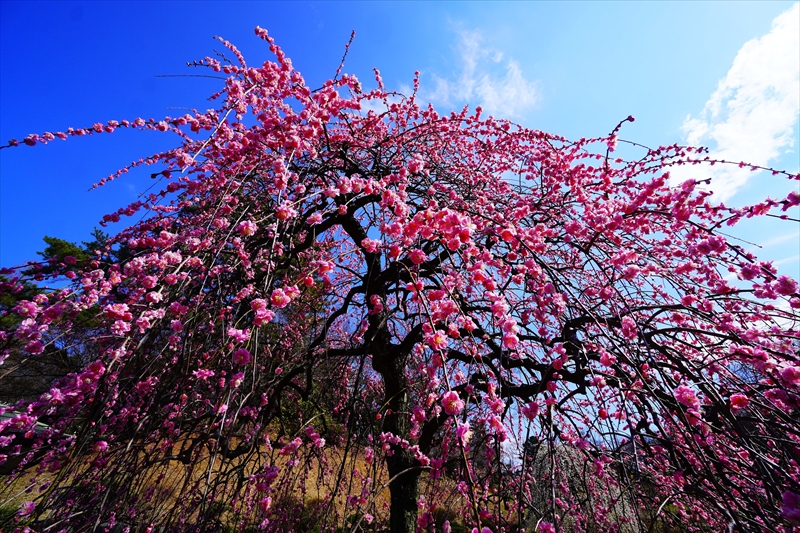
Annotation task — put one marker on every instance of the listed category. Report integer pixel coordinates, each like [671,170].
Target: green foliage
[9,299]
[351,521]
[60,253]
[7,514]
[440,514]
[60,249]
[74,346]
[310,519]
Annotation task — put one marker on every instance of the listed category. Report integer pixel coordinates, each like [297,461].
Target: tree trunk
[404,490]
[404,493]
[389,360]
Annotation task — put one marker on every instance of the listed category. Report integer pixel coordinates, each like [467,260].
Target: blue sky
[721,74]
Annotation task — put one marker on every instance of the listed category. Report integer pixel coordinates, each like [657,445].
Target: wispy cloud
[793,236]
[753,112]
[786,260]
[483,78]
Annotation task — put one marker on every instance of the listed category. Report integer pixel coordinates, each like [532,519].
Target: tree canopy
[346,310]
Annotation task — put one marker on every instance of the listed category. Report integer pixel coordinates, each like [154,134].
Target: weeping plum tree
[344,309]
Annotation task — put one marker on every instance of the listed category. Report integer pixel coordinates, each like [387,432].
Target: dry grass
[166,488]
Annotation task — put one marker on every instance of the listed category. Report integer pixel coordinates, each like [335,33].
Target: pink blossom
[417,256]
[369,455]
[26,509]
[424,519]
[143,323]
[438,341]
[791,374]
[791,507]
[247,228]
[510,341]
[452,403]
[100,446]
[629,330]
[531,411]
[452,331]
[237,379]
[292,447]
[496,424]
[146,386]
[315,218]
[21,422]
[27,308]
[748,272]
[118,312]
[203,374]
[323,267]
[120,327]
[263,316]
[177,309]
[280,299]
[264,504]
[416,165]
[285,211]
[376,304]
[238,335]
[371,245]
[499,308]
[687,397]
[607,359]
[154,297]
[34,347]
[739,402]
[703,248]
[96,368]
[785,286]
[241,356]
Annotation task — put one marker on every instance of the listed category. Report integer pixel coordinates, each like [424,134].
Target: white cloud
[753,113]
[793,236]
[500,88]
[380,106]
[786,260]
